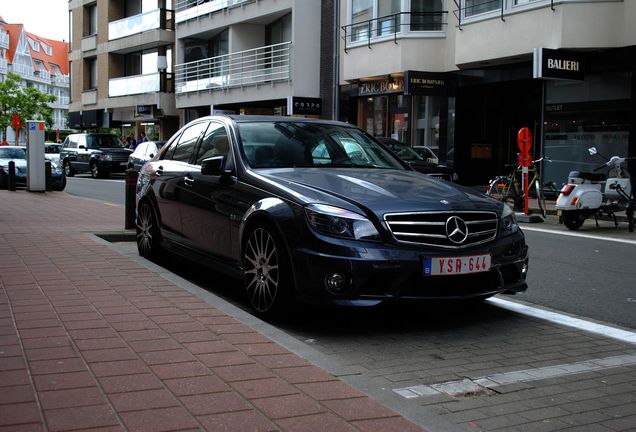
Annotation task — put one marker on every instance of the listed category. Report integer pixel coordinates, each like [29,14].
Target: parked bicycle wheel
[540,198]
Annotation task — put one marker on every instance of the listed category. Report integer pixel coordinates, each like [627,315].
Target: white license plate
[441,266]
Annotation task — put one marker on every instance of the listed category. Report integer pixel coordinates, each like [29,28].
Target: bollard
[11,178]
[131,185]
[47,176]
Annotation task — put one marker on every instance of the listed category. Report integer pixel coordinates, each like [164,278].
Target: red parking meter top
[524,140]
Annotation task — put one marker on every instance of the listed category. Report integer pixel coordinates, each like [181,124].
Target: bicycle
[509,188]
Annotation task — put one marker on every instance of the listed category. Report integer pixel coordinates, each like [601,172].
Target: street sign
[524,140]
[15,121]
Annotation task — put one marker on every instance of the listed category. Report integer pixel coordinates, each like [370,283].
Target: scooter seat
[588,175]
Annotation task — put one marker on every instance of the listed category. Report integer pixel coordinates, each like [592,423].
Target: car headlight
[338,222]
[508,219]
[106,157]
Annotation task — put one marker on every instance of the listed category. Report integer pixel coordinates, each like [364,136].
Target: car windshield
[12,153]
[103,141]
[405,152]
[300,144]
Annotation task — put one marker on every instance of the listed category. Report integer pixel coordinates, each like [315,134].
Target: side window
[187,142]
[215,143]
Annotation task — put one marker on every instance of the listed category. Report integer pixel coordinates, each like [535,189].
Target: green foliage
[30,103]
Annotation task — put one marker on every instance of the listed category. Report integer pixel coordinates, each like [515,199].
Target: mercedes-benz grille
[443,229]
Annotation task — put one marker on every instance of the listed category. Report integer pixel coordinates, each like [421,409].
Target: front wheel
[68,169]
[266,271]
[573,220]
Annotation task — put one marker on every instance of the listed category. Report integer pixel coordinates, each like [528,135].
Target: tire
[68,169]
[573,220]
[540,199]
[148,236]
[60,187]
[266,272]
[95,171]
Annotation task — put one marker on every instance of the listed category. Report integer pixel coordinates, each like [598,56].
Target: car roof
[266,118]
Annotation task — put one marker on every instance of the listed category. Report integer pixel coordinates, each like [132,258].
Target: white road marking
[576,234]
[468,387]
[567,320]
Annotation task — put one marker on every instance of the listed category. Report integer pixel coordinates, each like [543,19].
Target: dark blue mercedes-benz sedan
[314,210]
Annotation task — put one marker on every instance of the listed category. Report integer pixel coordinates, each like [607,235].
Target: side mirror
[213,166]
[82,147]
[592,151]
[430,160]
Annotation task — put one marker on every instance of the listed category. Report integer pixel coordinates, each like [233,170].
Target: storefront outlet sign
[557,64]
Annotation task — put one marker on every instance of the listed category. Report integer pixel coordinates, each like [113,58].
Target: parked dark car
[319,211]
[418,162]
[97,153]
[143,153]
[18,155]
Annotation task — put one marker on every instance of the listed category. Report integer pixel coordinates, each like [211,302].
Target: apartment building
[41,63]
[463,76]
[121,62]
[250,57]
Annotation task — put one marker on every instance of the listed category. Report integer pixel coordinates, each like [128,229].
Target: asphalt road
[110,190]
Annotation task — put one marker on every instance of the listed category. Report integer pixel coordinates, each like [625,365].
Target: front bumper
[113,166]
[394,273]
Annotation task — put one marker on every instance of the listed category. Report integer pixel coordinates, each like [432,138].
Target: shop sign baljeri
[557,64]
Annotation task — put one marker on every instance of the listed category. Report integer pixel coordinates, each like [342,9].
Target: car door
[83,158]
[168,176]
[208,198]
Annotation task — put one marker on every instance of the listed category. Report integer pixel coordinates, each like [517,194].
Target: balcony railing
[394,25]
[151,20]
[138,84]
[4,39]
[89,97]
[250,67]
[62,80]
[189,9]
[28,72]
[4,65]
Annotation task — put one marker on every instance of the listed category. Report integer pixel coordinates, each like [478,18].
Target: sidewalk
[92,340]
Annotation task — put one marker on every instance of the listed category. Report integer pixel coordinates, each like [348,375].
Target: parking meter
[36,179]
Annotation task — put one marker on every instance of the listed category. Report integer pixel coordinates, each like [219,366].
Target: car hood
[19,163]
[376,190]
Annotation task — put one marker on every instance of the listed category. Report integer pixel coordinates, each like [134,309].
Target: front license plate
[441,266]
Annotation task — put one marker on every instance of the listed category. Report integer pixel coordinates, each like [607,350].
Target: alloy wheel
[145,231]
[261,269]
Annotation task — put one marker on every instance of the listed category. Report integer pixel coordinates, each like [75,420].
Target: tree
[30,103]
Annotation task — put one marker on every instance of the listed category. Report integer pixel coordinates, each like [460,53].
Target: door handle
[159,170]
[188,180]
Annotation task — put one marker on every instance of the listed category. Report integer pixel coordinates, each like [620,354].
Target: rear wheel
[540,199]
[148,235]
[573,219]
[266,271]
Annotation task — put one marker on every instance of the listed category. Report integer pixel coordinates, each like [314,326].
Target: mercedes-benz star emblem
[456,229]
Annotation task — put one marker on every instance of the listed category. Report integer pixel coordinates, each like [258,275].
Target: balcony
[190,9]
[158,82]
[151,20]
[28,73]
[393,27]
[89,97]
[244,68]
[62,80]
[4,39]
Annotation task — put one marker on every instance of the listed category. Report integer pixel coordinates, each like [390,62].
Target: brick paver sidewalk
[91,340]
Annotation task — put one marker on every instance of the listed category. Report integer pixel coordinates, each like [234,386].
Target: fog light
[524,270]
[335,283]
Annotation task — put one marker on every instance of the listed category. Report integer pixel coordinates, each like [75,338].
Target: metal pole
[131,184]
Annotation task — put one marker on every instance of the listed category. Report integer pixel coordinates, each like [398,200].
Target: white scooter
[590,194]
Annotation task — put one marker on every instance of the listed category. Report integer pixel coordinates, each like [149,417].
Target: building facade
[121,61]
[41,63]
[250,57]
[463,76]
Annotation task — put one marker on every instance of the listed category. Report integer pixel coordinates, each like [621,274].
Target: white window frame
[405,24]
